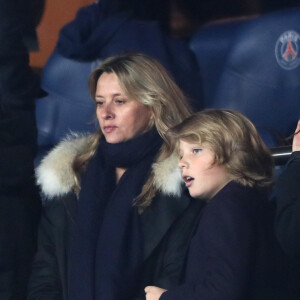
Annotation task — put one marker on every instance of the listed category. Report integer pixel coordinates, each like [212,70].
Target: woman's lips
[109,129]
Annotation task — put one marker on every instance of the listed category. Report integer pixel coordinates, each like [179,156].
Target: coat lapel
[158,218]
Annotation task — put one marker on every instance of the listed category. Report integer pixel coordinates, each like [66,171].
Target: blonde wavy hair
[235,142]
[144,79]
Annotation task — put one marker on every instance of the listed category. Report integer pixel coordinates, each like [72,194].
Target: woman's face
[120,118]
[202,177]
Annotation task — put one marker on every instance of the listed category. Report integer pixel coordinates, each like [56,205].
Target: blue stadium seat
[259,72]
[211,45]
[68,106]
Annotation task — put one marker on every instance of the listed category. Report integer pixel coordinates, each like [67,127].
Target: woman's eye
[120,101]
[99,103]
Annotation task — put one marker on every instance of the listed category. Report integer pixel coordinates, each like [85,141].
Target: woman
[126,182]
[233,253]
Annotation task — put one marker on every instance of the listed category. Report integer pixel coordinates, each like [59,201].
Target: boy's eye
[195,151]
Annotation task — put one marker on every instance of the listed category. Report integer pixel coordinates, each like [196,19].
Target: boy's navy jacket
[233,254]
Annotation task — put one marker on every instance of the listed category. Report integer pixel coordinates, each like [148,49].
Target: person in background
[108,28]
[233,253]
[19,197]
[113,196]
[287,199]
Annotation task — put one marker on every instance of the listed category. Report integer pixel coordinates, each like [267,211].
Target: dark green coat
[49,275]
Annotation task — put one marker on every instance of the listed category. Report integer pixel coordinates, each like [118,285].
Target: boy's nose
[182,164]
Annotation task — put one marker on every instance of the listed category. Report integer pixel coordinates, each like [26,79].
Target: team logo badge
[287,50]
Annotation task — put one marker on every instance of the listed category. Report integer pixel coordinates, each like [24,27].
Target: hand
[296,139]
[153,292]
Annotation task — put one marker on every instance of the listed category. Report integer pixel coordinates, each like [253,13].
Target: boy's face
[202,177]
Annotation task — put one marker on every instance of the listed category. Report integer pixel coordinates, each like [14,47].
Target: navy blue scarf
[106,249]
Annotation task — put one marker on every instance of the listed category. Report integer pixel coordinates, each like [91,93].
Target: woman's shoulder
[55,174]
[60,211]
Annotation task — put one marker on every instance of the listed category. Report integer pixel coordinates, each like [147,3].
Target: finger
[150,288]
[298,127]
[296,139]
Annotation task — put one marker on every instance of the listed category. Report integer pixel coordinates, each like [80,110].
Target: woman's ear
[151,120]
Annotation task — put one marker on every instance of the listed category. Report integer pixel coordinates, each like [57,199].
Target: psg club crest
[287,50]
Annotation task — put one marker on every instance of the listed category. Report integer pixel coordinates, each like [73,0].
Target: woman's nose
[107,112]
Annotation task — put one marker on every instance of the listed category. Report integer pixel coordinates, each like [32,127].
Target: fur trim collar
[55,175]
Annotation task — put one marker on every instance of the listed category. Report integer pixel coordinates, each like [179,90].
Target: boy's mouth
[188,180]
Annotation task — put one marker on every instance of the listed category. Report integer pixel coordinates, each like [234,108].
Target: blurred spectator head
[180,18]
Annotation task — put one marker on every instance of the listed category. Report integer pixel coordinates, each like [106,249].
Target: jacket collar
[55,175]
